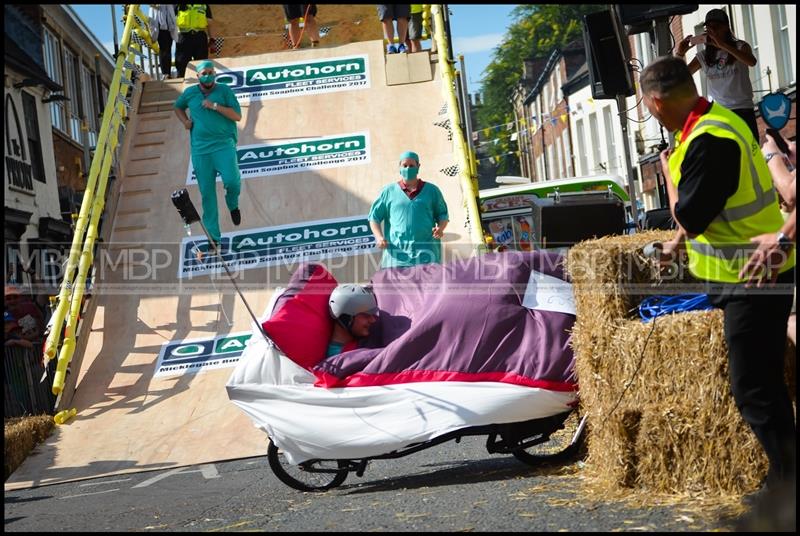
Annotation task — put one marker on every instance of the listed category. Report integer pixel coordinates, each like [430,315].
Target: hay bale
[657,395]
[21,436]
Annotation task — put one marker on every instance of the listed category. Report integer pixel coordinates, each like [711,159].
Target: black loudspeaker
[570,220]
[660,218]
[607,54]
[638,18]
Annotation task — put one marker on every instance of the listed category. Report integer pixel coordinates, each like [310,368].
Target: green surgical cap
[409,154]
[205,64]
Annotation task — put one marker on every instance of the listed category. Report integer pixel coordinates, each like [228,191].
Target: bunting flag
[215,45]
[564,117]
[553,121]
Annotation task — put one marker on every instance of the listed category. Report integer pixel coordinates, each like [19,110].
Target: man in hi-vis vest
[194,33]
[721,195]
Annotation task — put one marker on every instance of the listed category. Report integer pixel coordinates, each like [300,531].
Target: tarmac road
[450,487]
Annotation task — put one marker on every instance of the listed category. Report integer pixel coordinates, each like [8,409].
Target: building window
[750,36]
[568,167]
[559,160]
[90,111]
[73,110]
[611,141]
[783,47]
[34,139]
[52,65]
[595,141]
[581,148]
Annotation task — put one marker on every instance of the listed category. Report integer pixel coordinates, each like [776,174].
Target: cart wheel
[301,477]
[563,444]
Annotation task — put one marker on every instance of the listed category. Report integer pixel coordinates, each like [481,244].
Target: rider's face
[362,324]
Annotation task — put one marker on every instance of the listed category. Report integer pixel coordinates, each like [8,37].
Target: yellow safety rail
[469,180]
[81,254]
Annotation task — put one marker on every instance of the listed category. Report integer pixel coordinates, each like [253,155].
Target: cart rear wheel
[563,444]
[306,476]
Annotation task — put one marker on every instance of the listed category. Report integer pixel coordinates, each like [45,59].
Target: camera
[698,39]
[182,202]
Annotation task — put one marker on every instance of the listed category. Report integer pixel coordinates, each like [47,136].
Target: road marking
[208,470]
[104,483]
[92,493]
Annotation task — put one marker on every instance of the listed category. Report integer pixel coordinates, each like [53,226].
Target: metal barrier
[23,391]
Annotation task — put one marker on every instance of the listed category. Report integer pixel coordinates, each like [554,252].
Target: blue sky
[477,30]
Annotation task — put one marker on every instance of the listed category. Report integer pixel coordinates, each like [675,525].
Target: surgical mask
[409,173]
[207,79]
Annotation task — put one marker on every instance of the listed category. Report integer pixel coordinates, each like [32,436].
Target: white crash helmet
[348,300]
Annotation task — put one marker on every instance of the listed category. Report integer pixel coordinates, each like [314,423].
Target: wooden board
[128,420]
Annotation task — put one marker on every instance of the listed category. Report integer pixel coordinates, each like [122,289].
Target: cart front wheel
[312,475]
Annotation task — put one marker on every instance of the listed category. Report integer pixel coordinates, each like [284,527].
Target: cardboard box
[408,68]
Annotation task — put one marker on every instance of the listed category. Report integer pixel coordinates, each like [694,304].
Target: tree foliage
[535,31]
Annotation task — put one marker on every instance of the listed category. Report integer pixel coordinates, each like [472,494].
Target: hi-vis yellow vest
[724,247]
[193,18]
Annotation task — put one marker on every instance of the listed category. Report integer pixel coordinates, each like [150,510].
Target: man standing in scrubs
[214,112]
[413,214]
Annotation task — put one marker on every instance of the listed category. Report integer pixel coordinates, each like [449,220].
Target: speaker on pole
[607,54]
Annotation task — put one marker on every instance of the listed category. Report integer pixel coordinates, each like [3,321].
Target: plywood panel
[128,420]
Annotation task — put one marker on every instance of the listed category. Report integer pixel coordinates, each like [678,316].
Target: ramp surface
[129,417]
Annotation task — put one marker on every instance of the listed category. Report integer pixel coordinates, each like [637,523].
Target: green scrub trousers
[206,167]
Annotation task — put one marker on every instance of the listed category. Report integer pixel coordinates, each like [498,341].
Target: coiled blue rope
[654,306]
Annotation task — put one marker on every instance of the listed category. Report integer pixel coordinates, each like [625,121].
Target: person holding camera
[725,60]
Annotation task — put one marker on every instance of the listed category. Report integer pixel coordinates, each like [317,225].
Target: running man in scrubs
[214,112]
[414,215]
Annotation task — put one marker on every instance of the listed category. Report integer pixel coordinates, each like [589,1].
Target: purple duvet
[461,321]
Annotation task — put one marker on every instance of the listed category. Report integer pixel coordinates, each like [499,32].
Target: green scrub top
[211,131]
[408,224]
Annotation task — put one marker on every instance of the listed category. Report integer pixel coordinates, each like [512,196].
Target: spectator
[782,168]
[212,126]
[712,180]
[27,315]
[355,310]
[414,216]
[401,13]
[194,27]
[164,30]
[309,14]
[725,60]
[12,336]
[415,28]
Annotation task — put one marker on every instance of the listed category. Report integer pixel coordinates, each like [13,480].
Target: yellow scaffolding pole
[467,177]
[82,250]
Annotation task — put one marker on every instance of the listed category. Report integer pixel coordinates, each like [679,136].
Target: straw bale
[657,394]
[21,436]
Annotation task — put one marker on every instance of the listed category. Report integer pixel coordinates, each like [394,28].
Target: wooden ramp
[131,419]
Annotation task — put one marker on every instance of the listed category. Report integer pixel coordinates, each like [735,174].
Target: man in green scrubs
[214,112]
[414,215]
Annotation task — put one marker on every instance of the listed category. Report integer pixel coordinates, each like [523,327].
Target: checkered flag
[324,31]
[443,110]
[451,171]
[139,40]
[215,45]
[286,40]
[446,125]
[133,67]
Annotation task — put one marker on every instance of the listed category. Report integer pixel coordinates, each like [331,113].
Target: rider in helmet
[354,309]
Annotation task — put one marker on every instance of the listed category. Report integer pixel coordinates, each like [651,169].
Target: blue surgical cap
[205,64]
[409,154]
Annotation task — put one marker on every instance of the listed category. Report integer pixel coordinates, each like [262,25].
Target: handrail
[469,182]
[81,253]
